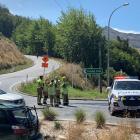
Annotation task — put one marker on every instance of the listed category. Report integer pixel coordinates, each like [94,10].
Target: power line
[57,3]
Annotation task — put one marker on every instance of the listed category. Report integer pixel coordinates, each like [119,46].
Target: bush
[49,114]
[100,119]
[75,75]
[80,116]
[57,125]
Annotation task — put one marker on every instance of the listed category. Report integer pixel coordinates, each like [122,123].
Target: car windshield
[2,92]
[127,85]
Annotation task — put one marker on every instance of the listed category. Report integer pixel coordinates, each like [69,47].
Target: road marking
[13,85]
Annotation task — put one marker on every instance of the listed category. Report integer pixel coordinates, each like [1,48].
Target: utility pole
[108,47]
[100,65]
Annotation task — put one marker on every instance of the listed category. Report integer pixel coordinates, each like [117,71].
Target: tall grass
[80,116]
[75,132]
[123,131]
[75,76]
[49,114]
[10,57]
[100,119]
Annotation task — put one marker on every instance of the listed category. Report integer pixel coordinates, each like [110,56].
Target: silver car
[11,99]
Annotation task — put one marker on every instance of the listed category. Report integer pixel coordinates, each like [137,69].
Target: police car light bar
[126,77]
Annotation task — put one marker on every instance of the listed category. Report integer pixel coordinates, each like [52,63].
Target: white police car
[11,99]
[124,95]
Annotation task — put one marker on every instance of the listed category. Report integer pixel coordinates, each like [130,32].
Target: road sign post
[45,63]
[94,71]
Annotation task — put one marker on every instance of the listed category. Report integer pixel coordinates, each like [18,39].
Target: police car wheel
[111,111]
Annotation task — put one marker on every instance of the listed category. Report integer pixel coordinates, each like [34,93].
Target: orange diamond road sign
[45,65]
[45,58]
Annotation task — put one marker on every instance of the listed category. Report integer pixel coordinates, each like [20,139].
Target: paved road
[7,81]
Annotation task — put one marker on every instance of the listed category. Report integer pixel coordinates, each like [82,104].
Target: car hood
[127,92]
[10,96]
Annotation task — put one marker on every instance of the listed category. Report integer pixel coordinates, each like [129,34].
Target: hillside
[10,57]
[134,39]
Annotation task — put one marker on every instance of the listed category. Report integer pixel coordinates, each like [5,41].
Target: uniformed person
[65,92]
[40,85]
[45,91]
[51,93]
[58,90]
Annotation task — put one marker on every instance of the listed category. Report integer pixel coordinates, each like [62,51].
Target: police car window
[2,92]
[127,85]
[3,119]
[112,85]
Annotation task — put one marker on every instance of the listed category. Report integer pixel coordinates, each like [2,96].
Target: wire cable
[57,3]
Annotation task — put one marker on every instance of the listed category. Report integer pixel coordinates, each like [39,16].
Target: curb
[15,88]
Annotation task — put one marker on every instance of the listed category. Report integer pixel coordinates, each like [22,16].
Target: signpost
[93,71]
[45,62]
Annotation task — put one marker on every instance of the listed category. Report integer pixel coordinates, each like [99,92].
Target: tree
[6,22]
[35,37]
[78,38]
[124,58]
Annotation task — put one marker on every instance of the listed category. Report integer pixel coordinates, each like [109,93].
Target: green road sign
[93,70]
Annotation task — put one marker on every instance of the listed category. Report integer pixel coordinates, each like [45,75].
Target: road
[7,81]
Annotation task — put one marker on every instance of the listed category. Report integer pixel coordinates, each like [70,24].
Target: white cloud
[126,31]
[12,12]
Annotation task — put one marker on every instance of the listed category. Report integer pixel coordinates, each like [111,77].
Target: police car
[11,99]
[124,95]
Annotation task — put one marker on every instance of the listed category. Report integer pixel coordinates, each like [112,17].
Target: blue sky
[126,19]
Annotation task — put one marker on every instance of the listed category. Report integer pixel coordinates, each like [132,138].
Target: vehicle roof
[127,80]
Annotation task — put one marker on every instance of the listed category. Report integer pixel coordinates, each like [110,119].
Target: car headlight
[117,98]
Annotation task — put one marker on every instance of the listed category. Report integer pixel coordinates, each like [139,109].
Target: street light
[108,63]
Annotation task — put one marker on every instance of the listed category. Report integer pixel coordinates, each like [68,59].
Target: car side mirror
[108,89]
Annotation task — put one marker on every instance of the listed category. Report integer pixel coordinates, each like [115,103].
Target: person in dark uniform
[40,85]
[58,90]
[51,93]
[65,92]
[45,91]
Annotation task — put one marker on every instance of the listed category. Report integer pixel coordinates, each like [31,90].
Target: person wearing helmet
[40,85]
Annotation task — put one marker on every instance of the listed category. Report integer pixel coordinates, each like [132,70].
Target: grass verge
[28,64]
[30,89]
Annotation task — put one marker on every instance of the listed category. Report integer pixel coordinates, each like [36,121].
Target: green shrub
[49,114]
[100,119]
[57,125]
[80,116]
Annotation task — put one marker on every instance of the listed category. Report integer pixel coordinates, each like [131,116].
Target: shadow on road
[98,104]
[72,106]
[130,114]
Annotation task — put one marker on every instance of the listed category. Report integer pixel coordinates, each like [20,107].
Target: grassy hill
[10,58]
